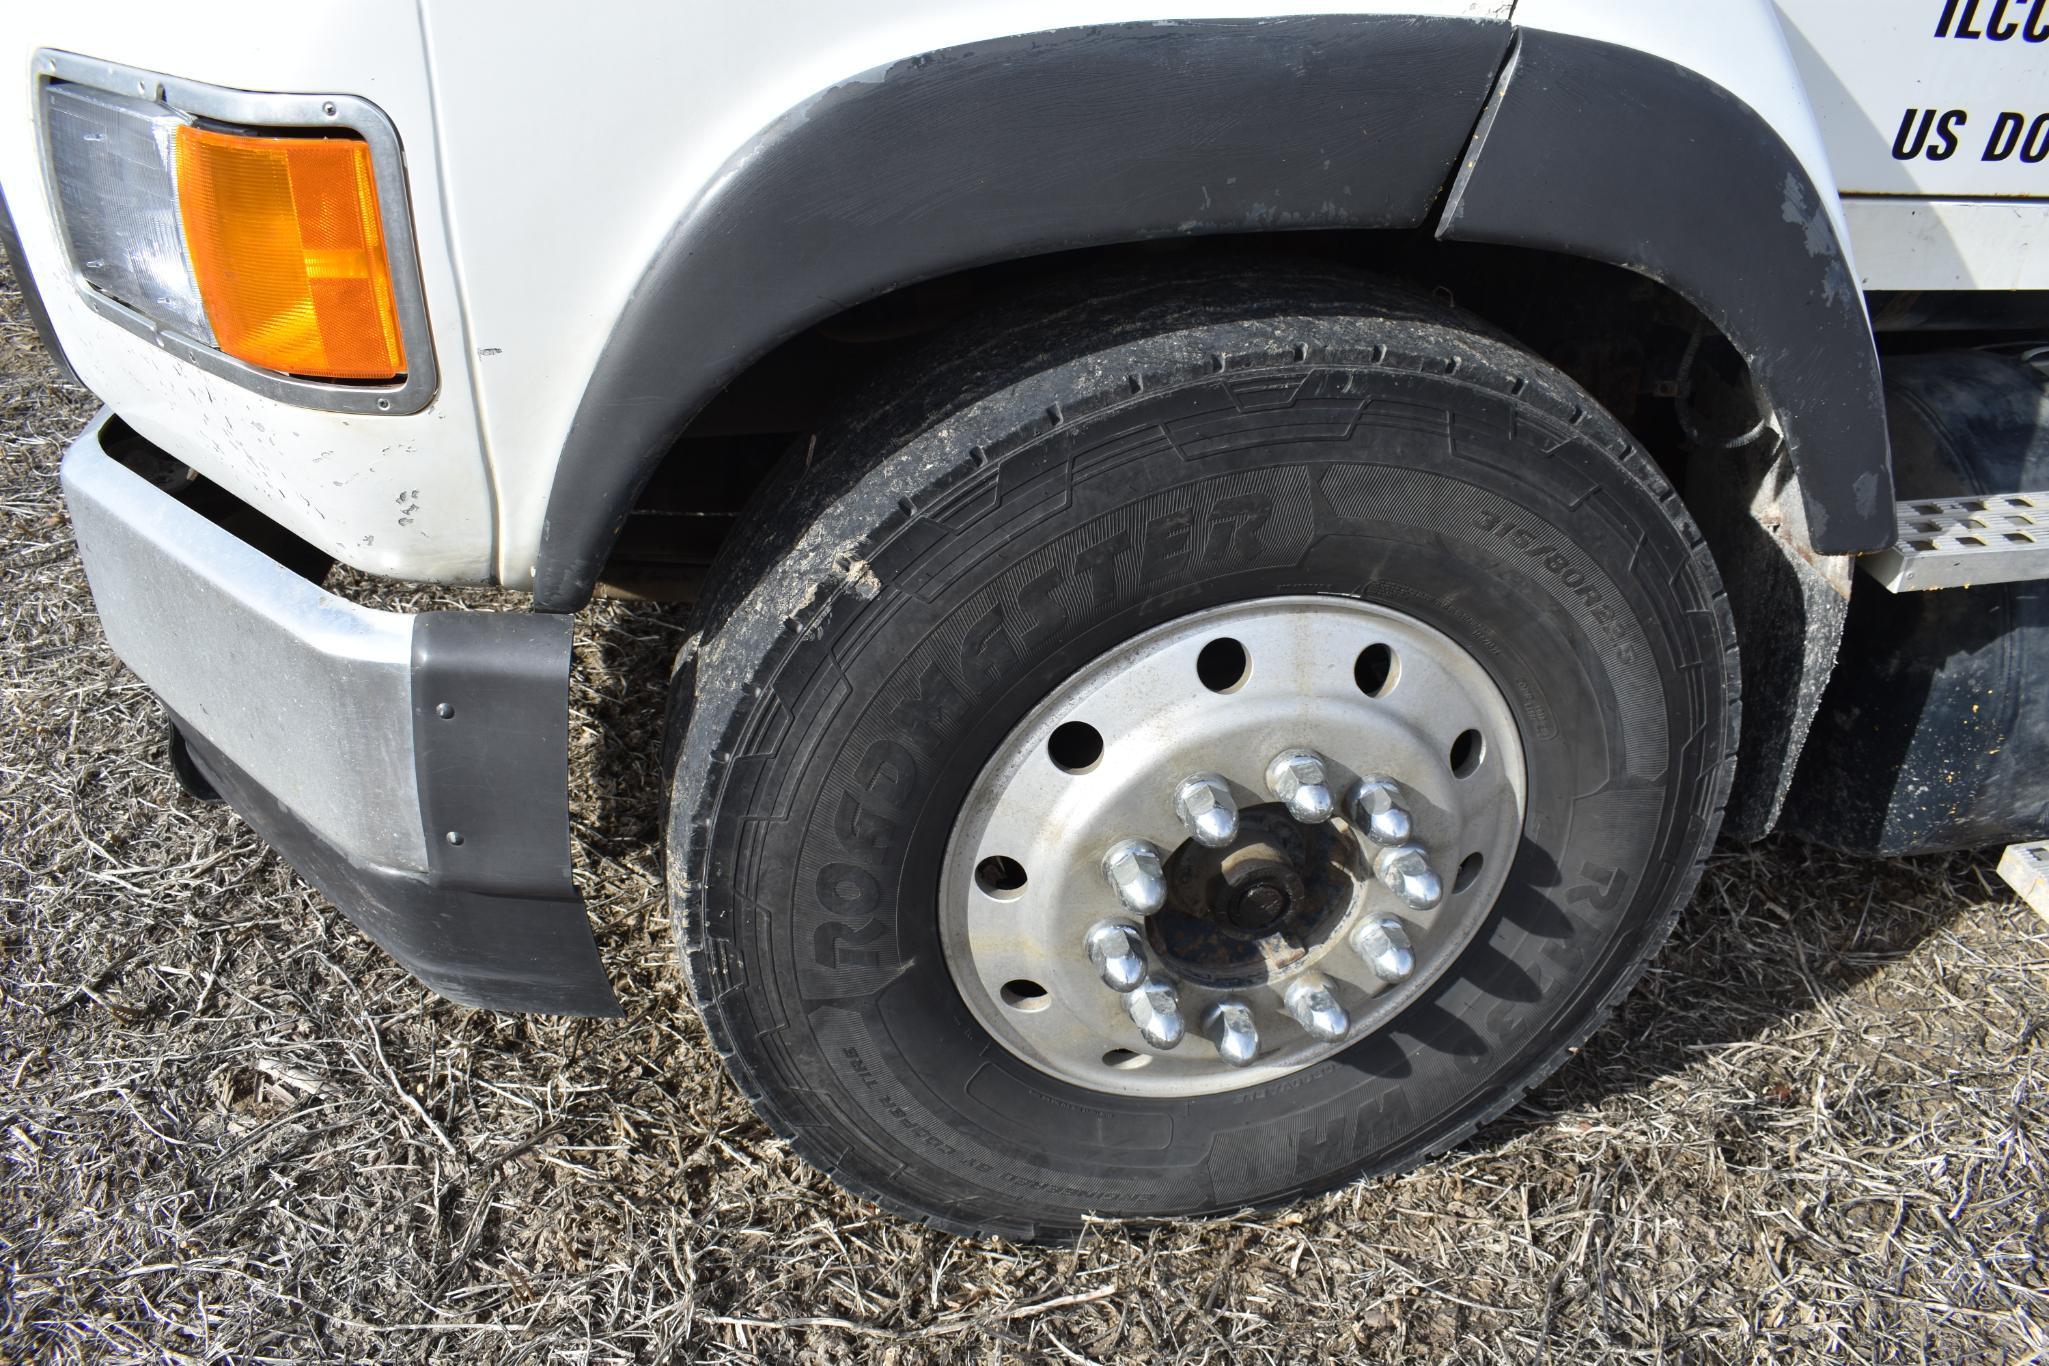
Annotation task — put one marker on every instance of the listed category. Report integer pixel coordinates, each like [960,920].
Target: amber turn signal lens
[288,250]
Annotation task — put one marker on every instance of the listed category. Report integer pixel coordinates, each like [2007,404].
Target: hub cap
[1232,847]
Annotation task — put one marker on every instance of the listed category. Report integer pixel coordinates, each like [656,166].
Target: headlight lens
[269,246]
[110,157]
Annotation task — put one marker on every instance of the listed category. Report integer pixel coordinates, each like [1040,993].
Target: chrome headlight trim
[255,110]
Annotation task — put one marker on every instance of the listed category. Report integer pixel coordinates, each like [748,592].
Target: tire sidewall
[1419,468]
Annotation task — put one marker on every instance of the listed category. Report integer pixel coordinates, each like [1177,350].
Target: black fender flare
[996,150]
[1595,150]
[1132,132]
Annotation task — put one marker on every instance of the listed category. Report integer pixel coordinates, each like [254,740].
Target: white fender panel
[402,495]
[569,160]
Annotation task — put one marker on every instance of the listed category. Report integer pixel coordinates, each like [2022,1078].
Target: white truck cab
[1243,554]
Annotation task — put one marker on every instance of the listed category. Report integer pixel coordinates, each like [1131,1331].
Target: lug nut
[1118,951]
[1315,1007]
[1133,867]
[1376,808]
[1384,943]
[1405,871]
[1205,806]
[1229,1026]
[1297,778]
[1155,1007]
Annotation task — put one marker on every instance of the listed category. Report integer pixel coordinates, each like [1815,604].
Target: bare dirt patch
[233,1130]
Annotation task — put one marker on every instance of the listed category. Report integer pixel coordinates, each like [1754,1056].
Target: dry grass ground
[232,1130]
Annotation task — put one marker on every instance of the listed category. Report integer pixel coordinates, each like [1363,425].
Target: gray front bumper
[413,768]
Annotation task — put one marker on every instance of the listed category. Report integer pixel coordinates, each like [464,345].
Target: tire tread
[1492,364]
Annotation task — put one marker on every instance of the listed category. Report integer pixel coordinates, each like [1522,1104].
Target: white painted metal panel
[572,147]
[1950,243]
[1946,98]
[408,496]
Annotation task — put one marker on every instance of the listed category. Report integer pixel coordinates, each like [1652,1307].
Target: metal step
[2026,869]
[1957,542]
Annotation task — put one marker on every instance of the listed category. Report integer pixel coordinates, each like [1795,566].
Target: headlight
[110,157]
[262,236]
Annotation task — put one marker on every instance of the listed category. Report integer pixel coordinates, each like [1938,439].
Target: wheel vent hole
[1124,1060]
[1223,665]
[1028,996]
[1468,873]
[1075,746]
[1375,670]
[1466,753]
[1000,876]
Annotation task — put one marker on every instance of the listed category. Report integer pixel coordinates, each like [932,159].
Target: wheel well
[1649,357]
[1628,340]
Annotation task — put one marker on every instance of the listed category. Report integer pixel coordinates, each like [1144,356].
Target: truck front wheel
[1186,744]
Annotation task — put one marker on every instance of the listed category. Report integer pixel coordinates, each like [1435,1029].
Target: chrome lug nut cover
[1118,951]
[1315,1007]
[1205,805]
[1384,943]
[1375,807]
[1297,778]
[1405,870]
[1229,1026]
[1155,1007]
[1135,874]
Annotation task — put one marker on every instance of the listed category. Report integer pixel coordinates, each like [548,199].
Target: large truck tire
[1183,744]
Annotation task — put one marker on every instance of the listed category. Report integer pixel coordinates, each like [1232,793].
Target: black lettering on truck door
[2003,21]
[1913,138]
[2007,138]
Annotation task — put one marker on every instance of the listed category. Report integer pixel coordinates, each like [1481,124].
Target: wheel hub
[1269,826]
[1259,906]
[1248,913]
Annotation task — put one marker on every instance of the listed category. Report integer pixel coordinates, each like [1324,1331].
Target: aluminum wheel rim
[1026,896]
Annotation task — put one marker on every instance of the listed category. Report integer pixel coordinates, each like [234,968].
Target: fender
[997,150]
[1603,151]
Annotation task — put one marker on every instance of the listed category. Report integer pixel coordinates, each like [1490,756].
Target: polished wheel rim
[1232,847]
